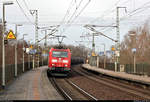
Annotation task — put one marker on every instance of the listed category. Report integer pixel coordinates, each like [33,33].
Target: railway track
[121,83]
[139,92]
[69,90]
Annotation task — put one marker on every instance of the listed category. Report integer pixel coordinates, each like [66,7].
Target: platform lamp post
[23,51]
[32,55]
[3,46]
[114,56]
[31,58]
[16,26]
[98,55]
[42,56]
[29,54]
[39,53]
[104,55]
[132,34]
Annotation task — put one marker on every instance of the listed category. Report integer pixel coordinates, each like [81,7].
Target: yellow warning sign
[113,49]
[31,46]
[11,35]
[93,54]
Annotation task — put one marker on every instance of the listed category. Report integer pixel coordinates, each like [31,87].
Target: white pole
[3,48]
[104,57]
[3,44]
[23,53]
[42,57]
[28,61]
[16,53]
[29,57]
[134,63]
[97,61]
[115,65]
[33,62]
[16,26]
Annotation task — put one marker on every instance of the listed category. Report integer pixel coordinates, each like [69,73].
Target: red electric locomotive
[59,61]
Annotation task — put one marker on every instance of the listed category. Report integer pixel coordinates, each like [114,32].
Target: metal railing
[10,71]
[141,69]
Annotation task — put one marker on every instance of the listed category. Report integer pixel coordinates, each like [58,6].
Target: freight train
[59,62]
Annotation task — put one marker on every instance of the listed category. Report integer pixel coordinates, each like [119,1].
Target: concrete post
[97,61]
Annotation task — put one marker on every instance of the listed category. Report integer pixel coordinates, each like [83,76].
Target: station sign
[11,35]
[89,55]
[34,51]
[101,53]
[24,49]
[117,53]
[133,50]
[109,52]
[27,50]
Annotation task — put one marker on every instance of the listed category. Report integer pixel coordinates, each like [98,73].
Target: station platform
[121,75]
[31,85]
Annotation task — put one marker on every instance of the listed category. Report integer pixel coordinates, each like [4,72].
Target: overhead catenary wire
[111,11]
[81,11]
[132,13]
[75,11]
[67,12]
[45,23]
[24,1]
[24,13]
[71,40]
[142,8]
[69,23]
[54,31]
[108,11]
[77,6]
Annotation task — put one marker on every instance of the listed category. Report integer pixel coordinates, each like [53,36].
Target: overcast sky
[100,12]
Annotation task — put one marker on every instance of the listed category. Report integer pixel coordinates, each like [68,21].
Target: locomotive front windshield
[60,54]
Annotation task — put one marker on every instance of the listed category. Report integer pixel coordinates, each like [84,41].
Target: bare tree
[140,41]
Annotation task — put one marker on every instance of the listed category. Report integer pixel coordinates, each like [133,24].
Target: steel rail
[67,96]
[63,93]
[83,91]
[114,86]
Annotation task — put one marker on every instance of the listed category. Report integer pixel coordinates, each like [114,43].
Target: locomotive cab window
[60,54]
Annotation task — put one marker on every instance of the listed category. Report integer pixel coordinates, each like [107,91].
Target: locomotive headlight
[65,61]
[54,60]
